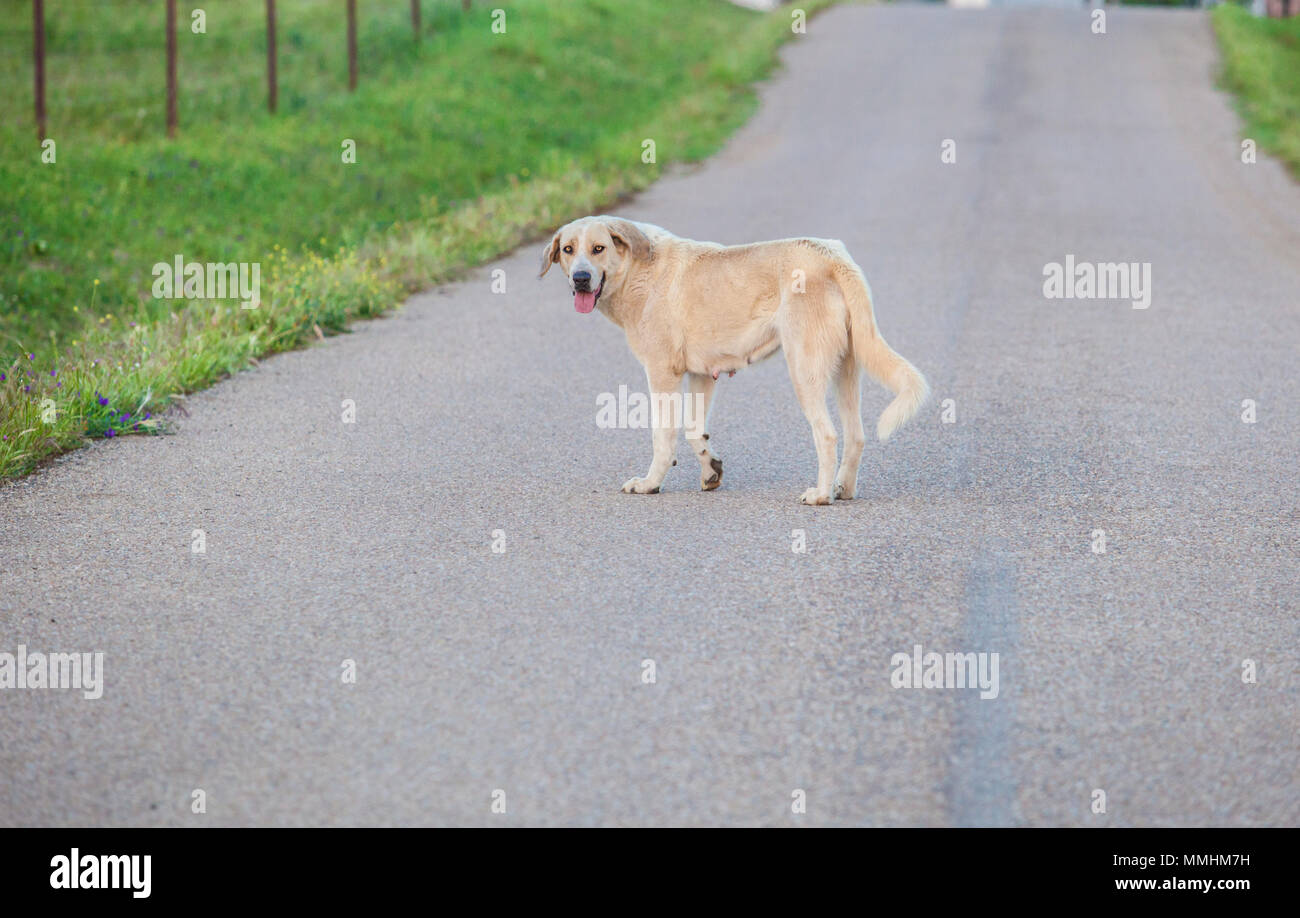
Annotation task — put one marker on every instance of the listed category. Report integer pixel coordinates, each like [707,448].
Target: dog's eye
[568,250]
[597,249]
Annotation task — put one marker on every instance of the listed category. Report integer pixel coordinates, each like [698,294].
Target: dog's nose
[582,279]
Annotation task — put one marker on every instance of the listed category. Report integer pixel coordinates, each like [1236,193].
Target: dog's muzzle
[584,296]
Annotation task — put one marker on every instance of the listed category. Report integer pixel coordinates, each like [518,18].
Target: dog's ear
[629,238]
[550,254]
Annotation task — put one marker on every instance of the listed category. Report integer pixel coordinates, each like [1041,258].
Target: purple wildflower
[103,400]
[110,432]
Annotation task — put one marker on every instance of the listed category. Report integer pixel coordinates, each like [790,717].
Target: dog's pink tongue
[584,300]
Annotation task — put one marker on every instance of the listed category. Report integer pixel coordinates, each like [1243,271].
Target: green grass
[468,143]
[1261,66]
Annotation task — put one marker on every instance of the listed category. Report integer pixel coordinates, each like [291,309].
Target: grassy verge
[1261,66]
[468,144]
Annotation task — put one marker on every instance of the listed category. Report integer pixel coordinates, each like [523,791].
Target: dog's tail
[877,357]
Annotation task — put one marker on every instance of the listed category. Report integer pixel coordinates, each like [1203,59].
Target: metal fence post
[272,85]
[38,53]
[352,45]
[171,68]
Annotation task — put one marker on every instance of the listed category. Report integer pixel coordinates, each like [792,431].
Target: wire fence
[70,43]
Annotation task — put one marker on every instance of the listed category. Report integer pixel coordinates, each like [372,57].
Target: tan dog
[698,309]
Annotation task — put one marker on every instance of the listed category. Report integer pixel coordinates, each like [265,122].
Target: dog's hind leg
[847,396]
[699,388]
[810,368]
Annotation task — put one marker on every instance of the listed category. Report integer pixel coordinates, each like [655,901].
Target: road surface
[523,671]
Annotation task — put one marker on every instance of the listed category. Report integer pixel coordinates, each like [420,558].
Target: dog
[700,309]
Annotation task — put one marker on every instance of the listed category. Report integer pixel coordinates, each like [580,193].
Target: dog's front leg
[665,418]
[699,390]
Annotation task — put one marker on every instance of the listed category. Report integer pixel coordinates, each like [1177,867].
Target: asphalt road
[521,671]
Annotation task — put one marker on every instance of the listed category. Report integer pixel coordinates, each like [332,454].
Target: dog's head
[596,255]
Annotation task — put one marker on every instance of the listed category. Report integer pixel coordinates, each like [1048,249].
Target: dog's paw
[813,498]
[639,486]
[845,491]
[713,480]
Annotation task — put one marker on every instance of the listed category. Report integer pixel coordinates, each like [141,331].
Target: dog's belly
[715,357]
